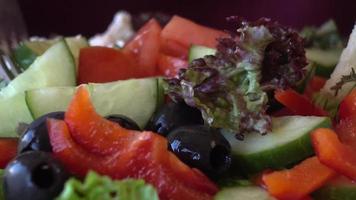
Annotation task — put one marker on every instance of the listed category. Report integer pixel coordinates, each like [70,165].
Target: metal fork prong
[5,73]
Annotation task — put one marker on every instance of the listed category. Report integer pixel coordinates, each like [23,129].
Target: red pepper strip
[297,103]
[298,182]
[131,154]
[333,153]
[8,149]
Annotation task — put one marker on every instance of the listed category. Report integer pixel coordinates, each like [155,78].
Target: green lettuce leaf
[97,187]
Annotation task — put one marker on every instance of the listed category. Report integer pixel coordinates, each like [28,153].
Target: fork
[12,31]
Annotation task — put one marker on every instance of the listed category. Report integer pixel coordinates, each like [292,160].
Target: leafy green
[230,88]
[226,87]
[97,187]
[326,36]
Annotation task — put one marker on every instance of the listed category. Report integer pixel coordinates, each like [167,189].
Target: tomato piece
[92,142]
[332,153]
[103,64]
[346,130]
[347,106]
[297,103]
[170,66]
[314,85]
[298,182]
[174,48]
[187,33]
[8,150]
[145,46]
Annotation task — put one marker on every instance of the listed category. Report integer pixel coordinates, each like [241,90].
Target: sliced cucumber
[288,143]
[243,193]
[324,60]
[135,98]
[341,189]
[197,51]
[26,53]
[54,68]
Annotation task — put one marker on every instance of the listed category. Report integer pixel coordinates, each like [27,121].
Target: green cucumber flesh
[54,68]
[135,98]
[197,51]
[243,193]
[27,51]
[324,60]
[287,143]
[343,189]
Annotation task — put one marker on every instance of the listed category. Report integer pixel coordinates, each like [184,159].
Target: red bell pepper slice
[187,33]
[297,183]
[145,47]
[333,153]
[8,150]
[103,64]
[169,66]
[125,153]
[174,48]
[347,106]
[297,103]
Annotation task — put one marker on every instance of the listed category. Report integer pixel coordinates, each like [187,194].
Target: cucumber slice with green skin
[54,68]
[288,143]
[324,60]
[135,98]
[341,189]
[27,51]
[243,193]
[197,51]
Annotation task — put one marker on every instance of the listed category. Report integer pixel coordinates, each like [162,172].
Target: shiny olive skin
[124,121]
[201,147]
[174,115]
[34,175]
[35,137]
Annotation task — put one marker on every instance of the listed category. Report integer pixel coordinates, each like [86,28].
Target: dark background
[69,17]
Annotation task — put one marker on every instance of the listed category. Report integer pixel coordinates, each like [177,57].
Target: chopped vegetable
[8,150]
[346,130]
[96,187]
[187,33]
[226,87]
[297,103]
[333,153]
[144,48]
[169,66]
[103,64]
[98,144]
[326,102]
[298,182]
[347,106]
[314,86]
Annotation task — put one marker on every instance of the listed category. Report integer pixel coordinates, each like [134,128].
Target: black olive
[124,121]
[34,175]
[201,147]
[173,115]
[35,137]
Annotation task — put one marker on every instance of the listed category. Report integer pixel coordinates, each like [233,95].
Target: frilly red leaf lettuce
[230,87]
